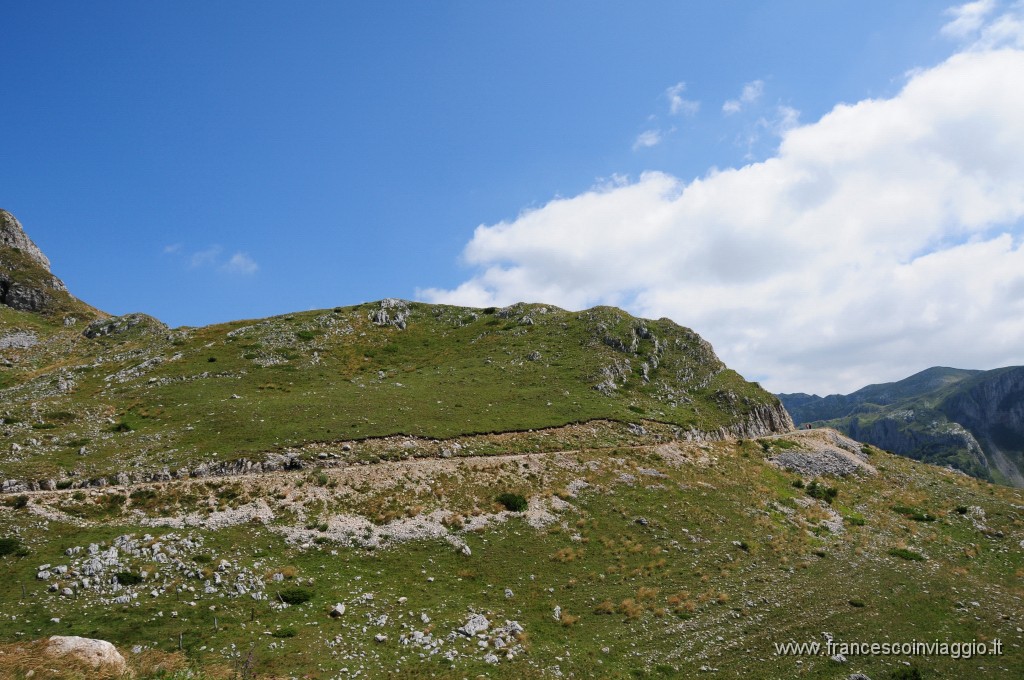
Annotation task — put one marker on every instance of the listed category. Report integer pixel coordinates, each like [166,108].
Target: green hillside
[128,394]
[397,489]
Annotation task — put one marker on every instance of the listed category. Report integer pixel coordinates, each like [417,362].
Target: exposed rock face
[20,296]
[12,235]
[95,653]
[892,434]
[763,419]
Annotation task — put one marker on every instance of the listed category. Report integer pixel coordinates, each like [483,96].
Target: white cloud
[172,249]
[752,92]
[205,258]
[211,258]
[677,104]
[786,118]
[647,139]
[881,239]
[240,263]
[967,19]
[971,24]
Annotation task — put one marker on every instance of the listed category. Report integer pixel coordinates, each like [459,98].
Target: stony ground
[646,557]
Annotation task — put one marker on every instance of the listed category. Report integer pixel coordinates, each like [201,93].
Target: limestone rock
[392,312]
[96,653]
[477,623]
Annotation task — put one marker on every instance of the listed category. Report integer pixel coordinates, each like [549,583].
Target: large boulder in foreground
[95,653]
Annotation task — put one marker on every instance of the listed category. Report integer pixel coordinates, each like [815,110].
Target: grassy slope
[725,563]
[222,392]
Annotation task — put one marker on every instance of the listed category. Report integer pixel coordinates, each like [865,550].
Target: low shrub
[914,513]
[822,492]
[9,546]
[515,502]
[296,595]
[906,554]
[128,578]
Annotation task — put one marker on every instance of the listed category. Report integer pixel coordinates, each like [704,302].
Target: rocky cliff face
[993,409]
[921,436]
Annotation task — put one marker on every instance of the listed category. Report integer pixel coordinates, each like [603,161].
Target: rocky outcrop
[762,419]
[12,235]
[117,325]
[392,312]
[26,283]
[19,296]
[821,452]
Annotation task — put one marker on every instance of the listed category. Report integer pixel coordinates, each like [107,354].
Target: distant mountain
[971,420]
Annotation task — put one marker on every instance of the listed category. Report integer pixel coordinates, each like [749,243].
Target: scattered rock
[477,623]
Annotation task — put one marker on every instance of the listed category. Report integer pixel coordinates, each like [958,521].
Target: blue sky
[210,161]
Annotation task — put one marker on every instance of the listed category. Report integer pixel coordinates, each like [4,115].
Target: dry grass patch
[630,608]
[567,555]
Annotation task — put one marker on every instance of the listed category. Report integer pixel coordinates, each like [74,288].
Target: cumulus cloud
[879,240]
[647,139]
[752,91]
[967,19]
